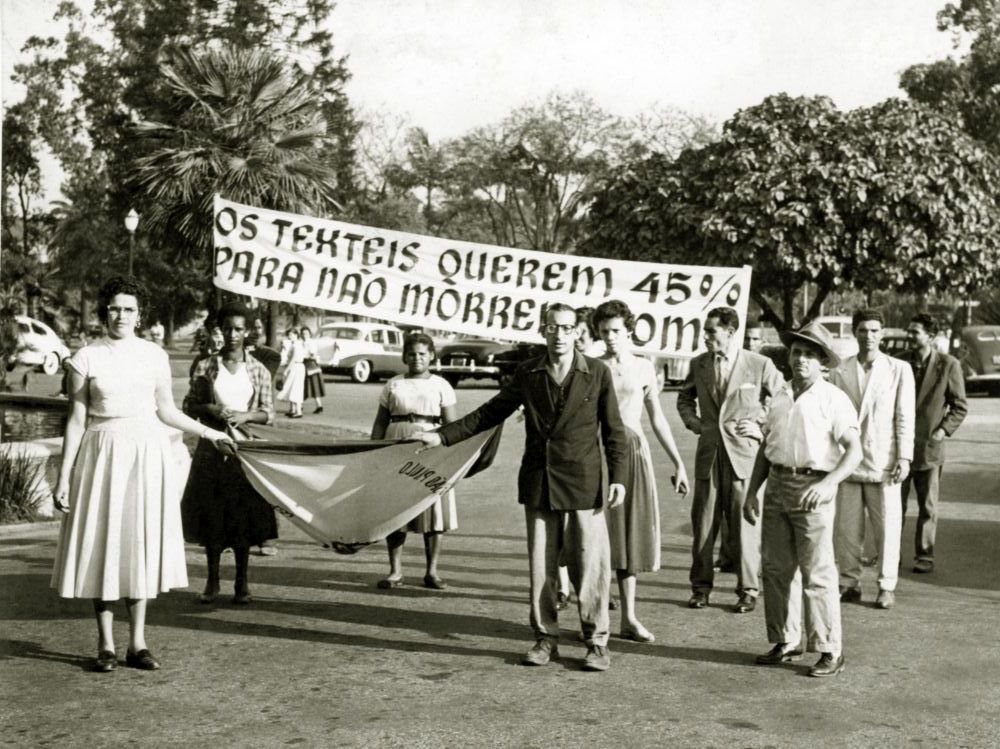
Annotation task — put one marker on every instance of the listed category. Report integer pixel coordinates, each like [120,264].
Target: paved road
[323,658]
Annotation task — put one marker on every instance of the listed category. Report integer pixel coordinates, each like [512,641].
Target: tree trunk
[272,323]
[788,308]
[168,335]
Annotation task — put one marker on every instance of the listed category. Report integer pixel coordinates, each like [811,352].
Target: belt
[798,471]
[415,417]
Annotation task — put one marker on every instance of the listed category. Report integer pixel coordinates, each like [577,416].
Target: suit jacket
[562,467]
[940,403]
[885,412]
[752,380]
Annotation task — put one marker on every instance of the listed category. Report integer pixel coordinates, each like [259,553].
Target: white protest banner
[444,284]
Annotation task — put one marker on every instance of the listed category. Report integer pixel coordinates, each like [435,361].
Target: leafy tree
[244,127]
[891,196]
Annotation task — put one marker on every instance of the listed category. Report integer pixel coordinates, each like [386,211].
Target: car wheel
[361,371]
[50,365]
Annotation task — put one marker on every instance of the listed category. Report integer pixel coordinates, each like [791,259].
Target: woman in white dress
[121,536]
[410,403]
[294,373]
[634,526]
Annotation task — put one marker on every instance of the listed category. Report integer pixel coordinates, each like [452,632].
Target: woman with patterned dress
[634,526]
[410,403]
[314,387]
[220,508]
[121,536]
[293,387]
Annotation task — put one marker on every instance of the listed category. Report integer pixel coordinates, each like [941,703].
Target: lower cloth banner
[349,493]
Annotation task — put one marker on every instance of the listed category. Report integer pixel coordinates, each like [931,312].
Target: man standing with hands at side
[941,408]
[722,402]
[570,410]
[881,392]
[811,444]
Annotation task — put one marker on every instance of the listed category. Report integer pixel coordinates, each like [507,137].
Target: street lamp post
[131,224]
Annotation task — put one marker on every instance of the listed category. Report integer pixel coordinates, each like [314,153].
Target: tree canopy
[894,196]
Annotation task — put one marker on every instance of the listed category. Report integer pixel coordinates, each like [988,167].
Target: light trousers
[798,566]
[578,540]
[884,505]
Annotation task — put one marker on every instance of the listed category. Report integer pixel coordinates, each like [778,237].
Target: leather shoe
[746,604]
[143,660]
[597,659]
[106,661]
[827,665]
[850,595]
[923,566]
[434,582]
[727,567]
[541,652]
[886,599]
[698,600]
[780,653]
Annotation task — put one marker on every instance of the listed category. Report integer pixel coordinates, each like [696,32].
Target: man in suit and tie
[570,413]
[881,390]
[941,407]
[722,402]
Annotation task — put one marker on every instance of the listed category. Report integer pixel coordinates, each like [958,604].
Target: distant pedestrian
[313,387]
[412,403]
[157,333]
[940,409]
[293,375]
[811,444]
[118,485]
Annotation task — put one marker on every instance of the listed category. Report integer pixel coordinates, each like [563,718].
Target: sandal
[389,582]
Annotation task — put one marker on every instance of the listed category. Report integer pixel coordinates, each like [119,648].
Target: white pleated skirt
[122,537]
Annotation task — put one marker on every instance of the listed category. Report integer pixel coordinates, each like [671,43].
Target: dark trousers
[927,483]
[723,496]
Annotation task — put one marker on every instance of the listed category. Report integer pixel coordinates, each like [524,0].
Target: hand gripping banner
[350,493]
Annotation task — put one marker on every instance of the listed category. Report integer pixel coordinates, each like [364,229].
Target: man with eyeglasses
[570,416]
[722,401]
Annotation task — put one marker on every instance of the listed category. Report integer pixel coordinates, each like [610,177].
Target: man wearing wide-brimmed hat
[811,444]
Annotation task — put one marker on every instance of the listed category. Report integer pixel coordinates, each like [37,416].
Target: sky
[452,65]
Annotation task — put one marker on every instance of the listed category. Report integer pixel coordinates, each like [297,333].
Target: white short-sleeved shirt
[806,433]
[122,375]
[417,395]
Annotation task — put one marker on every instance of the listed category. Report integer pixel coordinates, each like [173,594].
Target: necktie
[720,388]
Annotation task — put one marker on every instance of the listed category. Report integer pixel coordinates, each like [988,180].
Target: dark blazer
[940,403]
[562,467]
[752,380]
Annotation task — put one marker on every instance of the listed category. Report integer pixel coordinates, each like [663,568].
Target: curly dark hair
[234,309]
[925,321]
[414,339]
[120,285]
[611,309]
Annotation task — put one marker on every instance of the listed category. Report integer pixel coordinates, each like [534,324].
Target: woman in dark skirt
[314,374]
[220,508]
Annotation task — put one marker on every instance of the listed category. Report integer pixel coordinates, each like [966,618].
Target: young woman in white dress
[293,373]
[121,536]
[410,403]
[634,526]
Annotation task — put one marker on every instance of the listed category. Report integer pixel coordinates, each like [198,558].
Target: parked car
[474,358]
[365,351]
[979,353]
[38,346]
[844,343]
[894,342]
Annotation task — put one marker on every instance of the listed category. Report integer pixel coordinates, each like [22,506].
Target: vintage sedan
[37,346]
[473,358]
[978,352]
[364,351]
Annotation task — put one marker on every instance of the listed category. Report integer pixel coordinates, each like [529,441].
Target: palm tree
[243,127]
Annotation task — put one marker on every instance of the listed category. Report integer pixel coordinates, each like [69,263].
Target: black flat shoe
[106,661]
[143,660]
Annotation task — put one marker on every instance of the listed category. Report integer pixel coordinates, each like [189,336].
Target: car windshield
[343,334]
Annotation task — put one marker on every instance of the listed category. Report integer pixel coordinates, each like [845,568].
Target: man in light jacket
[882,392]
[722,401]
